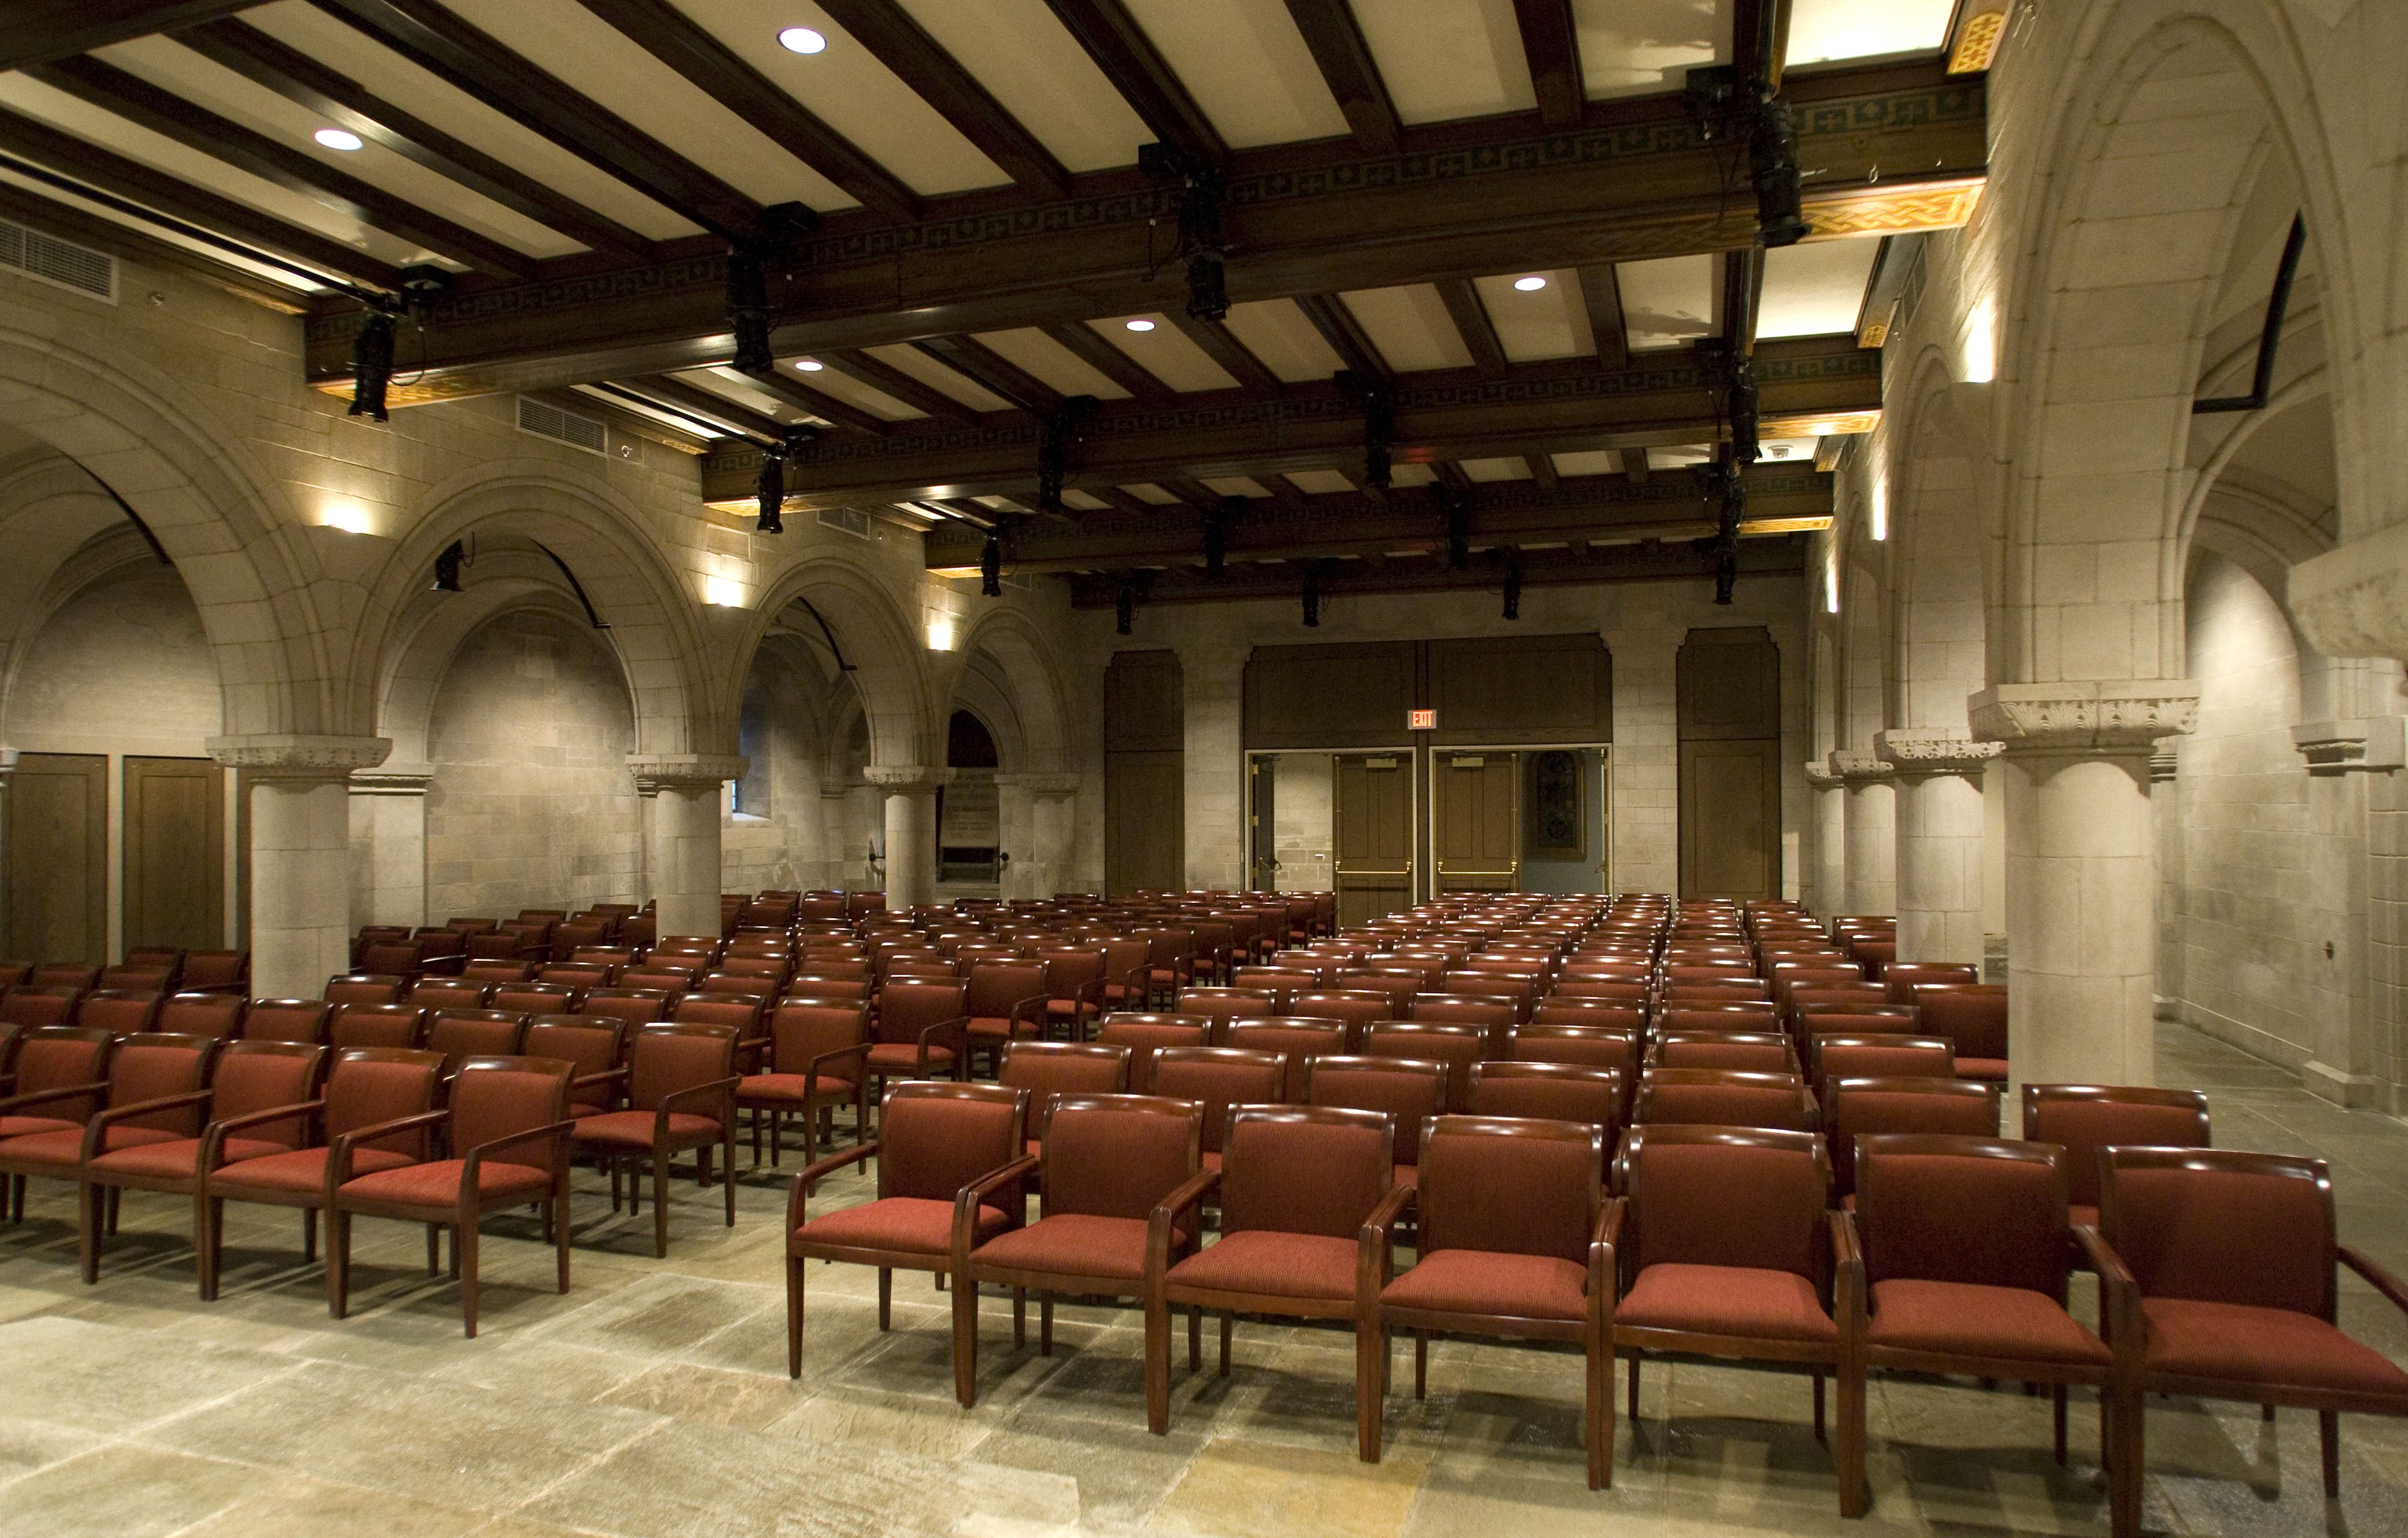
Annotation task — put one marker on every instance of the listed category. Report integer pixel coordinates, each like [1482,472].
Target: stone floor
[652,1401]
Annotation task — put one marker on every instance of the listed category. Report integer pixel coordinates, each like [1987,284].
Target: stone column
[300,854]
[2166,815]
[2348,1067]
[1939,779]
[911,792]
[1871,841]
[1044,830]
[682,855]
[1826,861]
[388,814]
[2081,871]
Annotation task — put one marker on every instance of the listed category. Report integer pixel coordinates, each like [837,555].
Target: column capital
[1819,776]
[1919,752]
[280,755]
[1041,785]
[686,771]
[7,761]
[907,779]
[1855,769]
[2121,719]
[2353,601]
[394,779]
[2343,746]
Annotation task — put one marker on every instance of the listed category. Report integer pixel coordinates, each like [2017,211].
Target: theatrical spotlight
[446,567]
[1772,152]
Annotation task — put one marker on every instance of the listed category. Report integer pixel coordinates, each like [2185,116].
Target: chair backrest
[655,977]
[67,975]
[533,998]
[1357,1007]
[1725,1196]
[377,1025]
[664,1058]
[1738,1015]
[2083,1119]
[1900,979]
[55,1056]
[461,1033]
[440,993]
[1707,1097]
[365,987]
[994,988]
[367,1086]
[1116,1155]
[1216,1078]
[1068,969]
[1145,1035]
[152,1067]
[1510,1187]
[202,1014]
[1456,1045]
[1049,1070]
[496,1097]
[1592,1047]
[741,1013]
[1983,1210]
[216,971]
[1407,1090]
[936,1136]
[286,1019]
[907,1009]
[578,974]
[1857,1107]
[259,1075]
[1879,1056]
[1743,1051]
[635,1005]
[2218,1226]
[801,1030]
[1296,1039]
[127,1013]
[591,1043]
[27,1005]
[1550,1091]
[818,984]
[1591,1014]
[1301,1169]
[1223,1004]
[1974,1017]
[137,979]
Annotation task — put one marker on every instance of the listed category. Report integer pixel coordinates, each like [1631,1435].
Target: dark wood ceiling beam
[1127,501]
[345,103]
[802,397]
[1648,561]
[1634,463]
[1110,361]
[693,401]
[1551,43]
[983,366]
[888,379]
[1222,346]
[664,32]
[1451,475]
[1542,469]
[1144,79]
[1470,318]
[467,59]
[896,41]
[39,30]
[1345,62]
[1344,334]
[129,96]
[1601,293]
[114,172]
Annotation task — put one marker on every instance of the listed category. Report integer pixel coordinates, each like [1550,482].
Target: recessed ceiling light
[1531,284]
[1140,325]
[338,138]
[810,365]
[801,40]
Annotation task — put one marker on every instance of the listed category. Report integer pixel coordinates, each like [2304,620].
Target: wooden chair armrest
[475,1158]
[2375,1275]
[38,1097]
[213,1136]
[1604,1274]
[818,1171]
[1158,1223]
[338,1158]
[95,1129]
[1374,1252]
[966,1203]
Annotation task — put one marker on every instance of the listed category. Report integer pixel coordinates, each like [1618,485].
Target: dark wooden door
[58,858]
[175,853]
[1477,798]
[1262,823]
[1729,695]
[1373,834]
[1145,773]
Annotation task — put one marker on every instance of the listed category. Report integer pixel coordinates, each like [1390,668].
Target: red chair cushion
[1726,1300]
[302,1170]
[65,1148]
[1265,1260]
[791,1089]
[1969,1320]
[28,1126]
[634,1129]
[181,1158]
[436,1185]
[1479,1281]
[1074,1243]
[2240,1344]
[2081,1216]
[913,1223]
[1989,1070]
[891,1056]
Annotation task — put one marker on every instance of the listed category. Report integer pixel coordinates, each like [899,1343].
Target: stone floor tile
[119,1490]
[1243,1488]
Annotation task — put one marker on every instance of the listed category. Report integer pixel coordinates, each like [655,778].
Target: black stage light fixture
[446,567]
[1125,610]
[991,566]
[770,493]
[747,310]
[372,366]
[1513,588]
[1772,154]
[1312,598]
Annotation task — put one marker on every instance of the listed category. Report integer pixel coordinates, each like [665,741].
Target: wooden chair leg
[434,1249]
[1157,1366]
[1596,1414]
[885,1299]
[1019,1320]
[2125,1412]
[464,1254]
[1632,1388]
[1227,1322]
[1421,1364]
[89,1203]
[660,1205]
[728,1151]
[2328,1443]
[556,1220]
[201,1245]
[2057,1411]
[1822,1430]
[115,1192]
[339,1264]
[966,1341]
[795,1269]
[308,1231]
[1849,1452]
[1371,1384]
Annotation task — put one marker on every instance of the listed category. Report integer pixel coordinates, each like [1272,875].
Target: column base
[2351,1091]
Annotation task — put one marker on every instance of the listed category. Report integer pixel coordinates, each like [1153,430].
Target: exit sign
[1421,721]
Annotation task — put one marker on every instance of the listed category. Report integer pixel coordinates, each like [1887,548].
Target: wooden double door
[56,828]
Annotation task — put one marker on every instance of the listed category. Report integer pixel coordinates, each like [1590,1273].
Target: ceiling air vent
[852,520]
[56,261]
[550,421]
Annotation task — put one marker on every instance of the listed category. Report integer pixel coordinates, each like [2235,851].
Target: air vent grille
[852,520]
[550,421]
[60,262]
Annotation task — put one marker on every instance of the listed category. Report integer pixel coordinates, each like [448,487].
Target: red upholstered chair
[202,1015]
[534,998]
[1357,1008]
[1591,1047]
[1856,1021]
[682,1084]
[637,1006]
[826,985]
[1406,1091]
[1965,1247]
[1877,1057]
[402,1025]
[1145,1035]
[1974,1017]
[1900,979]
[124,1012]
[578,974]
[2083,1118]
[1516,1242]
[1299,1039]
[287,1020]
[148,1098]
[253,1089]
[2231,1264]
[1727,1250]
[816,1050]
[654,977]
[440,993]
[1075,986]
[53,1077]
[1470,998]
[1857,1107]
[1218,1078]
[1285,982]
[1632,994]
[365,987]
[1457,1046]
[1397,984]
[949,1165]
[216,971]
[67,975]
[1735,1051]
[501,970]
[1005,1001]
[508,1131]
[594,1046]
[1734,1015]
[1706,1097]
[1111,1165]
[167,958]
[922,1032]
[459,1034]
[1049,1070]
[1225,1004]
[28,1006]
[1551,1091]
[1591,1014]
[1299,1187]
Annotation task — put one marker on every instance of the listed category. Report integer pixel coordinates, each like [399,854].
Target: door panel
[58,858]
[1478,798]
[1731,818]
[1145,829]
[175,853]
[1262,832]
[1374,834]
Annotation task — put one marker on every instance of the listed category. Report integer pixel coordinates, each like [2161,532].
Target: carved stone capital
[280,756]
[1041,785]
[1854,769]
[907,779]
[2121,719]
[1819,776]
[2340,747]
[1921,753]
[688,772]
[2353,602]
[394,779]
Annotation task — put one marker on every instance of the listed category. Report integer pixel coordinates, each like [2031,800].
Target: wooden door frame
[1604,787]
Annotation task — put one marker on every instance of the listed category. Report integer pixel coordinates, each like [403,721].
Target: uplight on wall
[941,634]
[349,517]
[1982,343]
[724,592]
[1877,516]
[1831,592]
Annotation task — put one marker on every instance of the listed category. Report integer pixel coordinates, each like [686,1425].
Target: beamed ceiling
[980,236]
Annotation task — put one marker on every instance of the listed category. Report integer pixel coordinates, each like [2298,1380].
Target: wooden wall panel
[175,853]
[57,832]
[1330,696]
[1729,696]
[1730,683]
[1145,703]
[1522,689]
[1145,772]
